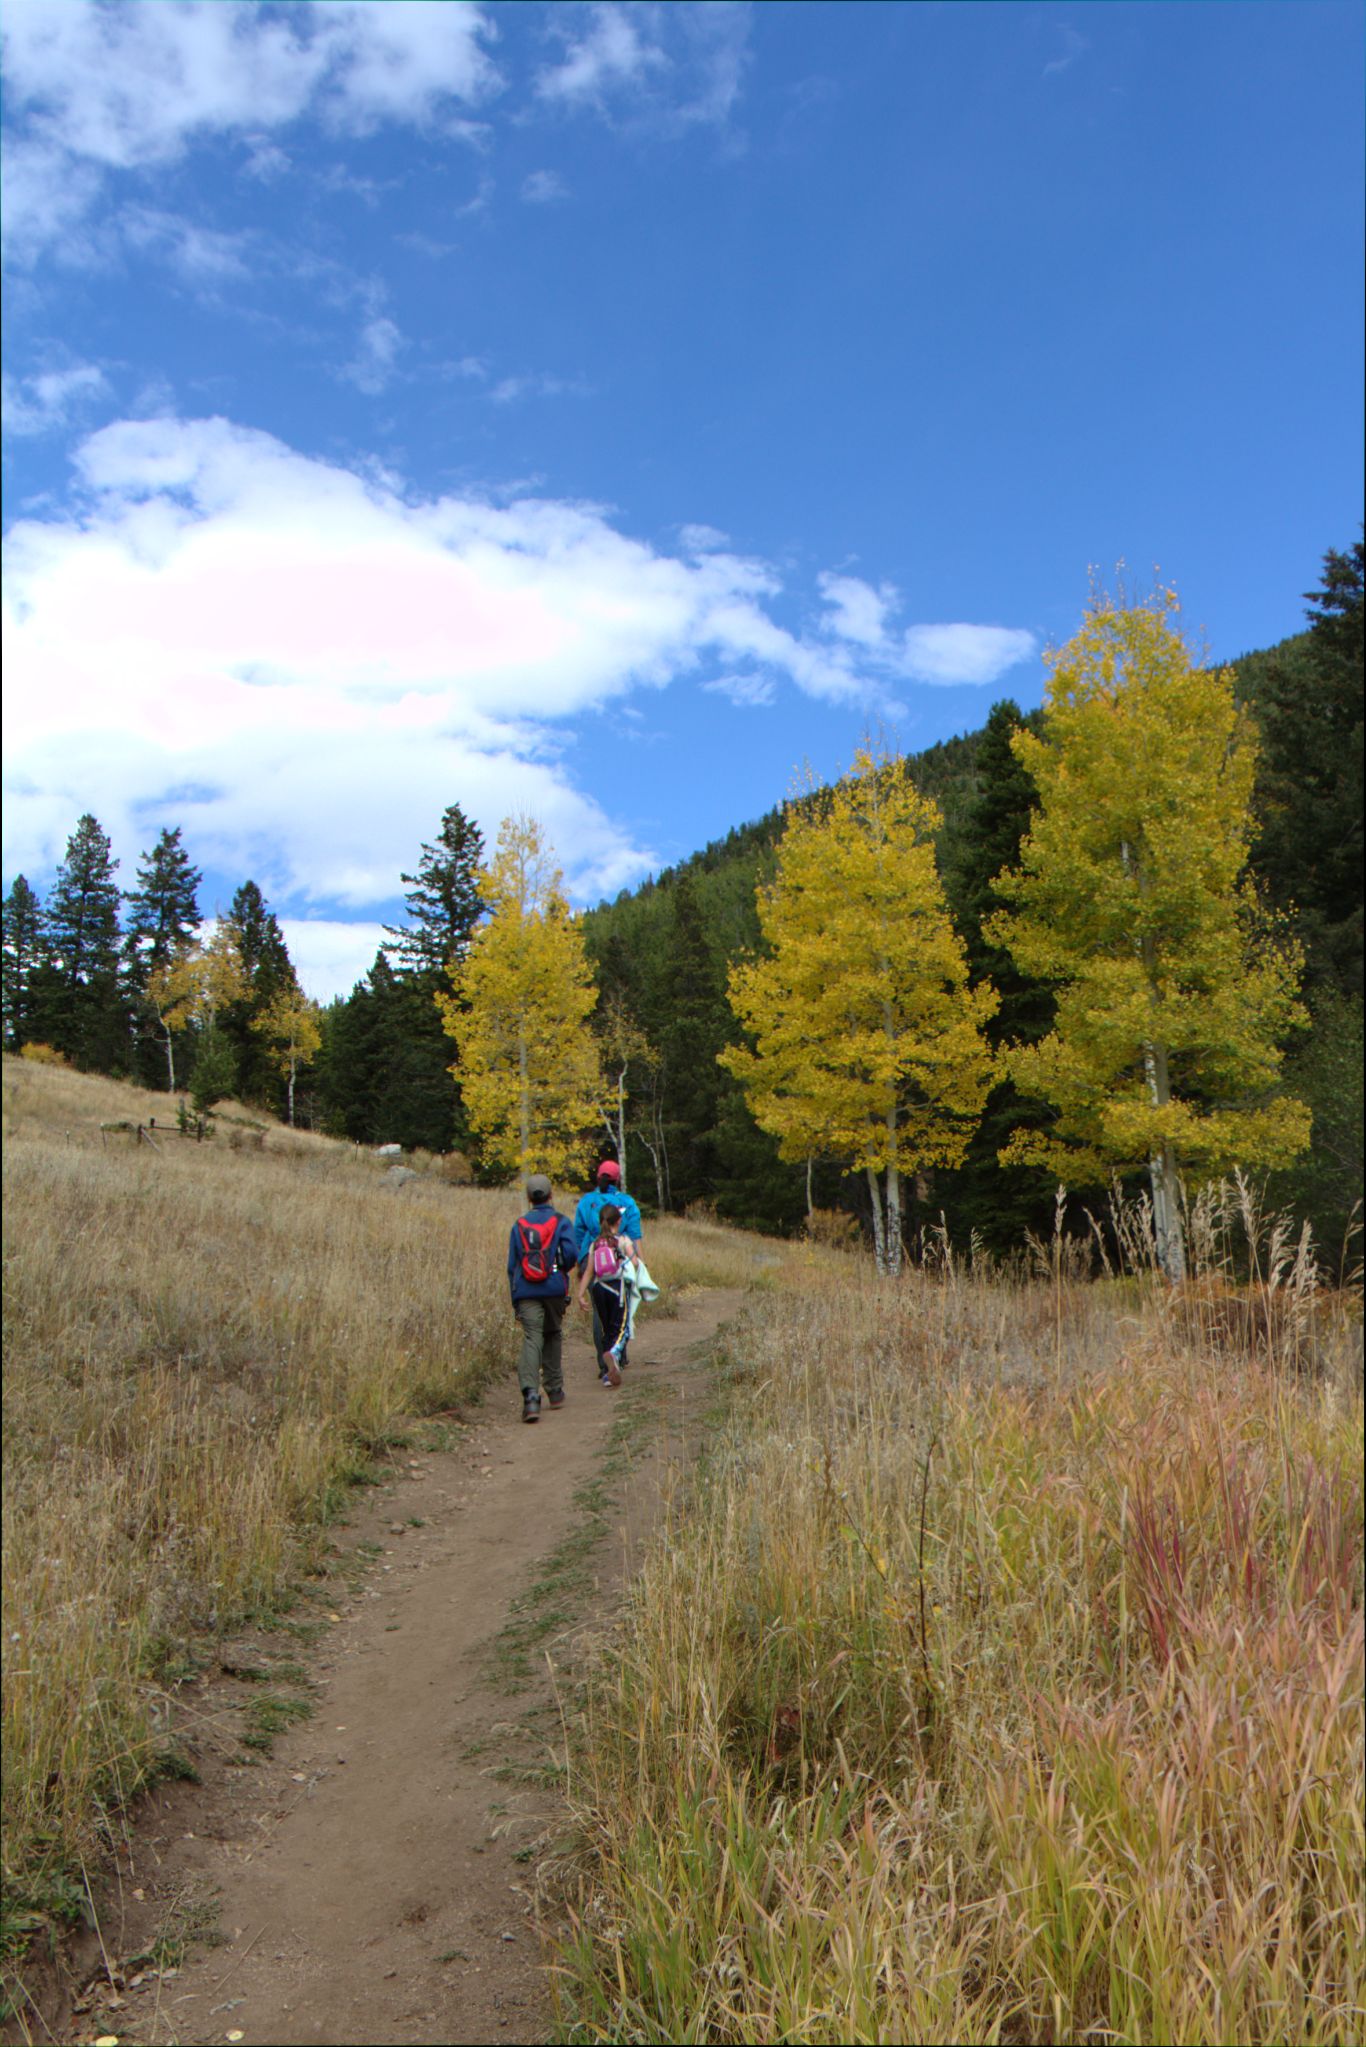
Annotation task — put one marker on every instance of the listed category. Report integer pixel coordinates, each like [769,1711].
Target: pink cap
[609,1170]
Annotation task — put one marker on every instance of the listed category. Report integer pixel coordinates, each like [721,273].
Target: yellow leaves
[200,980]
[868,1040]
[292,1025]
[527,1060]
[1172,993]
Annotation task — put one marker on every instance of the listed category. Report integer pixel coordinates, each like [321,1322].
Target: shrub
[833,1228]
[43,1055]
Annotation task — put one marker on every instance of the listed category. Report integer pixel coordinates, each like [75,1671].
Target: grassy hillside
[203,1341]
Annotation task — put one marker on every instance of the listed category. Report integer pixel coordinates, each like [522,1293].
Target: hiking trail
[373,1879]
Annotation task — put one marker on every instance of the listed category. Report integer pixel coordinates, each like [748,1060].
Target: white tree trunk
[170,1060]
[893,1221]
[810,1205]
[523,1101]
[1171,1242]
[879,1234]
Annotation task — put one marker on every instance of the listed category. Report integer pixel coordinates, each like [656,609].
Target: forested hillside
[663,951]
[131,983]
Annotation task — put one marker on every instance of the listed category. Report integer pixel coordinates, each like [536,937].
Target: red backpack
[537,1242]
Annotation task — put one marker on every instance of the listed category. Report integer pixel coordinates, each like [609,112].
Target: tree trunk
[879,1234]
[893,1185]
[291,1093]
[1171,1243]
[170,1060]
[810,1205]
[893,1221]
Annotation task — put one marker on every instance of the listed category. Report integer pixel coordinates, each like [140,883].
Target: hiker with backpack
[587,1218]
[542,1252]
[603,1283]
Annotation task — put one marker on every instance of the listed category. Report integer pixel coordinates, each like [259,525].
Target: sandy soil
[373,1881]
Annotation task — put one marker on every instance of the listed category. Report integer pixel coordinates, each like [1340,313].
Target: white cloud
[266,160]
[319,664]
[330,955]
[749,692]
[120,87]
[702,539]
[304,665]
[538,384]
[963,653]
[940,654]
[202,256]
[857,611]
[542,188]
[39,404]
[373,363]
[1074,45]
[612,52]
[676,66]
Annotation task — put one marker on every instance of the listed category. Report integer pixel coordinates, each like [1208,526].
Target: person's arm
[512,1264]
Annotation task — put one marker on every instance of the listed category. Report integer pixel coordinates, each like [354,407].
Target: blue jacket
[586,1216]
[563,1251]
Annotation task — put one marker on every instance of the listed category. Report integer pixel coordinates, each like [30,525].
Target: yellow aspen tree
[194,985]
[292,1029]
[868,1041]
[527,1059]
[1132,897]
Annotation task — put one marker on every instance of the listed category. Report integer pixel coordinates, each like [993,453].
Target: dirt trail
[367,1891]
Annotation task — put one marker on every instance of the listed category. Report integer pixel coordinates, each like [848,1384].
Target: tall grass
[201,1342]
[1002,1682]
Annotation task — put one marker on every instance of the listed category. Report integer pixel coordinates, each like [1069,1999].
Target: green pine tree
[1309,786]
[269,972]
[163,919]
[422,1103]
[81,1011]
[23,953]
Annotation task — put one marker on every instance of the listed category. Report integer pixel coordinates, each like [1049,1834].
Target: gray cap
[538,1188]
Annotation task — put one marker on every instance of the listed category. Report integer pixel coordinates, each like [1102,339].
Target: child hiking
[607,1189]
[541,1255]
[602,1285]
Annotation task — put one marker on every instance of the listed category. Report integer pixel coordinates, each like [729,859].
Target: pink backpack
[606,1259]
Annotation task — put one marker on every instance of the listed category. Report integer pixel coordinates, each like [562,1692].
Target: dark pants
[609,1312]
[540,1354]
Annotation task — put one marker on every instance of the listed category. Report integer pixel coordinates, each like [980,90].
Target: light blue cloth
[639,1288]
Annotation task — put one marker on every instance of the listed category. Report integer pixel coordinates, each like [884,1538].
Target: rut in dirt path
[374,1880]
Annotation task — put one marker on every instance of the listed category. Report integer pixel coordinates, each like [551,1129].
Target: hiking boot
[612,1371]
[531,1407]
[556,1399]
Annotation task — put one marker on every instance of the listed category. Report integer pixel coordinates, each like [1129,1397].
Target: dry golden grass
[202,1340]
[1003,1682]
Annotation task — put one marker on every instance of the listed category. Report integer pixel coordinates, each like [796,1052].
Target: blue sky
[605,411]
